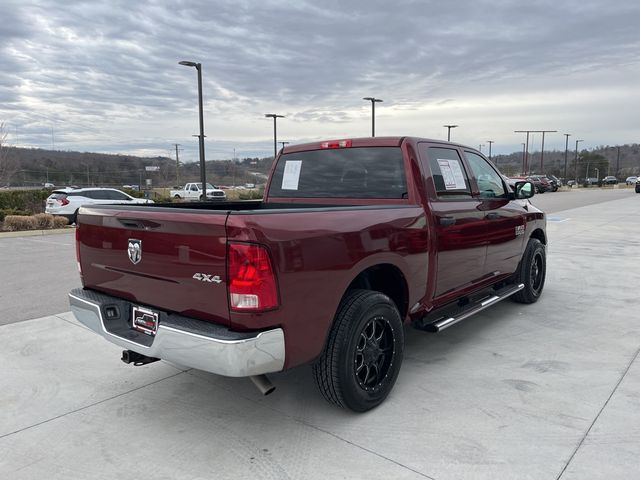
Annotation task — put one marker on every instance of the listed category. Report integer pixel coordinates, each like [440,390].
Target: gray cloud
[105,75]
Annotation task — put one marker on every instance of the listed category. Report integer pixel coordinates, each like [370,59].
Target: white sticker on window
[452,174]
[291,175]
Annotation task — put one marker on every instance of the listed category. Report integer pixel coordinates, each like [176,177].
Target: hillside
[35,167]
[622,166]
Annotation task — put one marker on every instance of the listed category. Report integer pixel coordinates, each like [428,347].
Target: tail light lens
[63,201]
[252,281]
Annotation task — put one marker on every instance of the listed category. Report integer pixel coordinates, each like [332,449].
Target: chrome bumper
[245,356]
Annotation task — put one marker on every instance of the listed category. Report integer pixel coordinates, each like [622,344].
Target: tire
[74,218]
[531,272]
[361,360]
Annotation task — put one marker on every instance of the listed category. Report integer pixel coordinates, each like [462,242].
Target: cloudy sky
[104,76]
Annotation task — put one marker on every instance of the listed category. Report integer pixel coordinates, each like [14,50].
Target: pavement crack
[584,437]
[88,406]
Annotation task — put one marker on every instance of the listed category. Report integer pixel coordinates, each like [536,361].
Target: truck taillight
[78,249]
[63,201]
[252,281]
[336,144]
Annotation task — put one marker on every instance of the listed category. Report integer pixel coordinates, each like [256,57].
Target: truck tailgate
[156,257]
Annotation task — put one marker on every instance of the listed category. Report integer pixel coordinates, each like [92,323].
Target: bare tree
[7,164]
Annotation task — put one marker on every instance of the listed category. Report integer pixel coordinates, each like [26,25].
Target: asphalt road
[36,273]
[565,199]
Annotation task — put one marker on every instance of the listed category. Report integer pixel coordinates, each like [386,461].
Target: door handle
[446,221]
[492,216]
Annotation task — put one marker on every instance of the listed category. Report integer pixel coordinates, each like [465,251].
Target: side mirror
[524,190]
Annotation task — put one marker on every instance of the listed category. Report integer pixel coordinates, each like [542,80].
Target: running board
[466,311]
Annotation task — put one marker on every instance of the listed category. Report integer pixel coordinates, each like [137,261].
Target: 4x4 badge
[135,250]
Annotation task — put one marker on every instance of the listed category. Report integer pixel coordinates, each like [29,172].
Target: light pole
[524,159]
[203,174]
[490,142]
[577,158]
[566,151]
[542,150]
[597,173]
[373,101]
[449,127]
[275,135]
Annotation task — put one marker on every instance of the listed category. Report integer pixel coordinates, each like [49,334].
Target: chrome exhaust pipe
[263,384]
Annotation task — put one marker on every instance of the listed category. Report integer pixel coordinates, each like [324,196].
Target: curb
[36,233]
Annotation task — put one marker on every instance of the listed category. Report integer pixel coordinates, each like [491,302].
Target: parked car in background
[555,181]
[609,180]
[540,183]
[631,180]
[571,183]
[638,185]
[193,192]
[66,201]
[591,181]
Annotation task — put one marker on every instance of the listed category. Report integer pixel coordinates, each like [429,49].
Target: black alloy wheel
[363,354]
[531,272]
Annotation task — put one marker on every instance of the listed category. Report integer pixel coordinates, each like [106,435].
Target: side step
[458,313]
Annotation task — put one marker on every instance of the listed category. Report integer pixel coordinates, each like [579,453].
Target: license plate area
[144,320]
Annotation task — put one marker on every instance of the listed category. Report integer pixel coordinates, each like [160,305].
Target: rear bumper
[187,341]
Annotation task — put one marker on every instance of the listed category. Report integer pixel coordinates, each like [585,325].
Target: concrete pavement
[545,391]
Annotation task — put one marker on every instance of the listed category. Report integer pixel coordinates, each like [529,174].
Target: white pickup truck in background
[193,192]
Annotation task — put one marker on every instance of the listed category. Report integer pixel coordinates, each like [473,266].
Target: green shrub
[31,201]
[11,211]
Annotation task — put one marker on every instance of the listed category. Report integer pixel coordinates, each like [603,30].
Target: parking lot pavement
[544,391]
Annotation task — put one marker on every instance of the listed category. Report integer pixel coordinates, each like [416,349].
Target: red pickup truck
[353,239]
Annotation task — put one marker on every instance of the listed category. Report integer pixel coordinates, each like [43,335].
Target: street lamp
[203,174]
[524,159]
[566,150]
[373,113]
[275,136]
[577,158]
[449,127]
[490,142]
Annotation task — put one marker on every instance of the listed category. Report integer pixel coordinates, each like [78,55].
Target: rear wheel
[363,355]
[177,197]
[531,272]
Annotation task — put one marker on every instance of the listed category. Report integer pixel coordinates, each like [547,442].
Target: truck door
[460,229]
[504,218]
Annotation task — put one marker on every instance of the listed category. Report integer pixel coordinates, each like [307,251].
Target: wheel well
[386,279]
[539,234]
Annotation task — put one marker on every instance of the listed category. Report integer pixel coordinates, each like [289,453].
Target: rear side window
[58,196]
[447,171]
[368,172]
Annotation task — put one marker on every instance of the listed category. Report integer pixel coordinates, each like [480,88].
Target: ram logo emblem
[134,250]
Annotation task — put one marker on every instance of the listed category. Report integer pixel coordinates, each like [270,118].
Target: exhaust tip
[263,384]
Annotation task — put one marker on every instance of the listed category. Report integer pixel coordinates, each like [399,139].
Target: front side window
[359,172]
[490,184]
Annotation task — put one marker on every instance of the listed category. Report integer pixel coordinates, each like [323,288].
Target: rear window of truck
[366,172]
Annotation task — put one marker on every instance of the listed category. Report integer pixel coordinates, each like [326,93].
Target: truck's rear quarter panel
[317,254]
